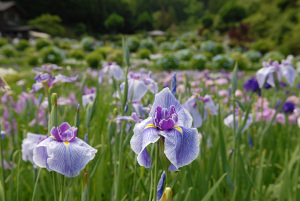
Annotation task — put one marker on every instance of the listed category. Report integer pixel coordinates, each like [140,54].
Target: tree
[49,24]
[144,21]
[114,22]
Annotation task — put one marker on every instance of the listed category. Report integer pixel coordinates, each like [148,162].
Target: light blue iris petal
[262,75]
[165,99]
[181,148]
[67,159]
[28,144]
[141,139]
[189,106]
[139,89]
[211,105]
[289,73]
[160,186]
[116,72]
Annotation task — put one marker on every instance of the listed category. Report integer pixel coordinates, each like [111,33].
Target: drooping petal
[28,144]
[86,99]
[182,145]
[262,74]
[65,158]
[139,89]
[289,73]
[229,121]
[143,136]
[166,99]
[62,78]
[116,72]
[160,186]
[36,87]
[191,106]
[210,105]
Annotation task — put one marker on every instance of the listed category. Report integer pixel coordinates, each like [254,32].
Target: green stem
[118,185]
[156,170]
[53,185]
[36,182]
[2,168]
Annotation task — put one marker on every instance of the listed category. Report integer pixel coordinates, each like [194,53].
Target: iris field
[227,129]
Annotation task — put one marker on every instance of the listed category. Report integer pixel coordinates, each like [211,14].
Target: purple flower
[160,186]
[47,68]
[89,95]
[288,107]
[229,121]
[111,70]
[134,117]
[2,135]
[63,152]
[169,120]
[251,85]
[28,144]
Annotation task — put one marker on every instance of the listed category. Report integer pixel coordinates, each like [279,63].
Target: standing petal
[262,75]
[139,90]
[289,73]
[191,106]
[182,145]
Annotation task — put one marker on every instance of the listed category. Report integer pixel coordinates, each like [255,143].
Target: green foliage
[41,43]
[104,51]
[3,41]
[162,19]
[263,45]
[165,46]
[49,24]
[253,56]
[116,55]
[147,43]
[8,50]
[87,43]
[212,47]
[32,60]
[52,54]
[242,61]
[222,61]
[93,59]
[168,62]
[198,61]
[144,21]
[144,54]
[133,44]
[76,53]
[232,12]
[194,10]
[185,54]
[275,55]
[207,21]
[114,22]
[178,45]
[80,29]
[22,45]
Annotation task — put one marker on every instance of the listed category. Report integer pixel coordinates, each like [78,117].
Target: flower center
[164,119]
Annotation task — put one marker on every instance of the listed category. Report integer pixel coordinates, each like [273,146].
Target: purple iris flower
[229,121]
[46,79]
[89,95]
[285,69]
[134,117]
[288,107]
[47,68]
[169,120]
[111,70]
[2,135]
[28,144]
[63,152]
[251,85]
[191,105]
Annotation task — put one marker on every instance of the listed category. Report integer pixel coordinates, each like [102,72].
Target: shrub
[232,13]
[242,61]
[33,60]
[93,59]
[263,45]
[105,50]
[184,55]
[168,62]
[76,53]
[253,55]
[207,21]
[198,62]
[49,24]
[22,45]
[87,43]
[114,22]
[165,46]
[178,45]
[80,29]
[222,61]
[211,47]
[41,43]
[133,44]
[3,41]
[116,56]
[144,54]
[52,54]
[8,50]
[144,21]
[147,43]
[275,55]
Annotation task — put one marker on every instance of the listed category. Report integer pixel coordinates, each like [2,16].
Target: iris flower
[28,144]
[89,95]
[191,106]
[171,122]
[63,152]
[229,121]
[138,85]
[285,69]
[111,70]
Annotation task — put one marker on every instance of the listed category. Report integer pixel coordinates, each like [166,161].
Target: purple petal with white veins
[62,78]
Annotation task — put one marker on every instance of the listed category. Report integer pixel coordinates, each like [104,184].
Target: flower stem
[156,170]
[2,168]
[36,182]
[118,184]
[53,184]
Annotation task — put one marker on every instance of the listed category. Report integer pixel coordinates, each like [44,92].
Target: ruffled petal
[141,139]
[116,72]
[86,99]
[182,145]
[140,89]
[28,145]
[160,186]
[40,154]
[289,73]
[165,99]
[64,126]
[191,106]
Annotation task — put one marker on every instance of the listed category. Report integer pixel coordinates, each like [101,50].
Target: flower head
[28,144]
[251,85]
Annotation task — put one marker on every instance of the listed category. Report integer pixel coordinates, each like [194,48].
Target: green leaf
[126,52]
[234,79]
[213,189]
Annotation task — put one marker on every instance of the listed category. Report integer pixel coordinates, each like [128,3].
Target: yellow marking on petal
[66,143]
[179,129]
[150,126]
[136,80]
[53,137]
